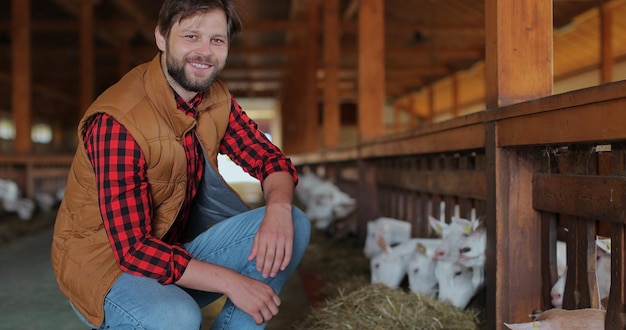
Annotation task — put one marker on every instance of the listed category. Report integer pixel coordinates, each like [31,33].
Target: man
[131,248]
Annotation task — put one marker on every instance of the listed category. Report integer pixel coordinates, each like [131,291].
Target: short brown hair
[176,10]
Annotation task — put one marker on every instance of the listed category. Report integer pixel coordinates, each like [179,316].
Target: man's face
[195,52]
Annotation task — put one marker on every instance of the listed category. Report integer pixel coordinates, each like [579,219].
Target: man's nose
[204,48]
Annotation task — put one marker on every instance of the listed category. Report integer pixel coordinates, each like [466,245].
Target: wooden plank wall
[571,181]
[36,173]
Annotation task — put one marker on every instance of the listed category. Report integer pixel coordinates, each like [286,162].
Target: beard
[176,69]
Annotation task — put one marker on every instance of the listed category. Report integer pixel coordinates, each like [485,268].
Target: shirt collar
[189,108]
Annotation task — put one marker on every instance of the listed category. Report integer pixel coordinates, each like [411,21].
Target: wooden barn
[512,109]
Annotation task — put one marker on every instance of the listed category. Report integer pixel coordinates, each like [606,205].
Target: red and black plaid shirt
[125,201]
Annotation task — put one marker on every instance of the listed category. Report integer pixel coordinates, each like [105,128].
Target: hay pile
[349,301]
[375,307]
[339,265]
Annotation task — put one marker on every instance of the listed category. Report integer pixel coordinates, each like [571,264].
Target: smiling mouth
[200,65]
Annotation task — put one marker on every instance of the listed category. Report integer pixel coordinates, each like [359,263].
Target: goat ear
[435,224]
[478,223]
[382,243]
[420,248]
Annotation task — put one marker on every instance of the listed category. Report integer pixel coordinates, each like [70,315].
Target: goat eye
[458,273]
[465,250]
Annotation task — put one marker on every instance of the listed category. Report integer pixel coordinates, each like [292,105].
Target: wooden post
[21,78]
[431,103]
[518,68]
[87,66]
[292,121]
[293,91]
[332,118]
[371,68]
[606,47]
[57,133]
[455,95]
[311,104]
[367,197]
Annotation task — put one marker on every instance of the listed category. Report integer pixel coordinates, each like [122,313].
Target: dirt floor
[330,266]
[12,227]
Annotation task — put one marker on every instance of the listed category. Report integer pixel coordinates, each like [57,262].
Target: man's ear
[160,39]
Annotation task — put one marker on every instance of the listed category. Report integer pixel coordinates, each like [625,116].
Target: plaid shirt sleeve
[249,148]
[126,205]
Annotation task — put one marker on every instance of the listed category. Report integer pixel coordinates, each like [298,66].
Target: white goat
[603,267]
[390,266]
[324,201]
[472,248]
[327,202]
[561,257]
[394,231]
[421,270]
[8,190]
[306,181]
[603,274]
[452,235]
[45,201]
[387,267]
[557,290]
[455,283]
[11,202]
[587,319]
[461,262]
[472,253]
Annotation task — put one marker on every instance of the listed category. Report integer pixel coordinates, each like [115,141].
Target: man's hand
[273,243]
[250,295]
[255,298]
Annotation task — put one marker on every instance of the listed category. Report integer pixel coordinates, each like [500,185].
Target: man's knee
[302,229]
[173,316]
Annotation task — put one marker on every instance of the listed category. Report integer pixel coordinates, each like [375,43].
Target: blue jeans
[142,303]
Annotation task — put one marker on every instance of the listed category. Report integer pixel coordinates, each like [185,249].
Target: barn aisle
[30,298]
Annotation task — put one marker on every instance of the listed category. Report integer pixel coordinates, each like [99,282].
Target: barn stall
[533,164]
[539,167]
[531,169]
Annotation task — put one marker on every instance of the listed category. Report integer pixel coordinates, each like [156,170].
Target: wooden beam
[587,196]
[465,184]
[466,137]
[371,68]
[87,55]
[518,68]
[589,125]
[311,59]
[286,26]
[332,52]
[606,45]
[21,74]
[44,90]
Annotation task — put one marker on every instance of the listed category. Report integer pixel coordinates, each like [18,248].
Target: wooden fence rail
[35,173]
